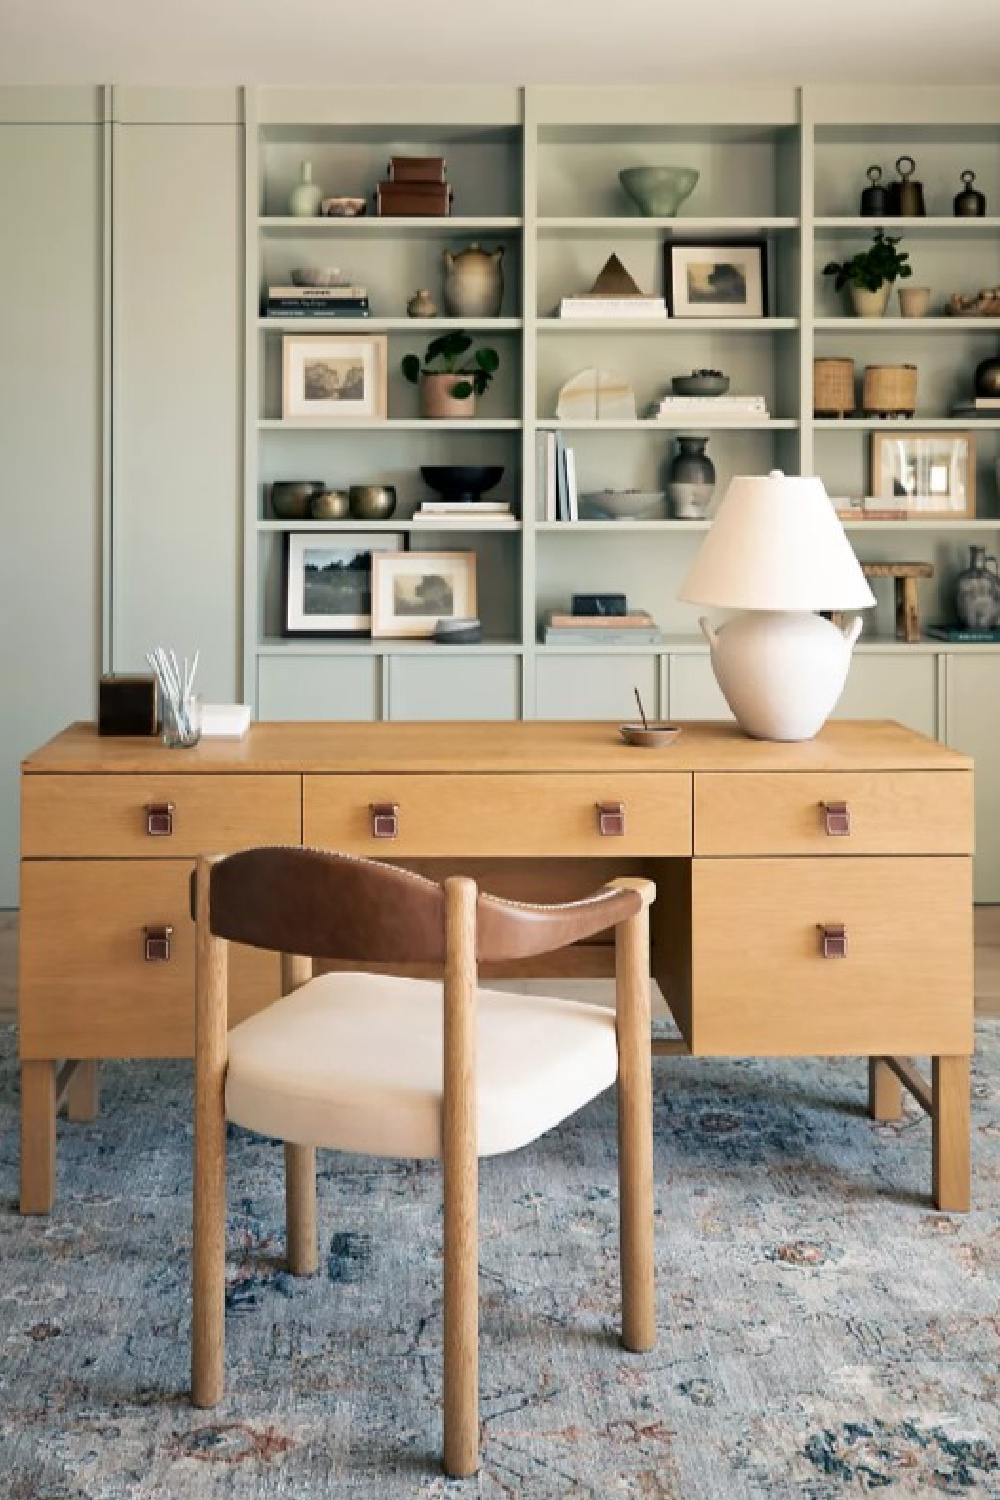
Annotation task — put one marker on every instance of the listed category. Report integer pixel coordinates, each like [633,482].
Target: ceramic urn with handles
[473,282]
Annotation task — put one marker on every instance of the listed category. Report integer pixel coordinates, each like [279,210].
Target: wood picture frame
[930,475]
[328,378]
[328,580]
[411,592]
[716,278]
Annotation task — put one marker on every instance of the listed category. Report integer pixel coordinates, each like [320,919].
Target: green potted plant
[450,375]
[870,274]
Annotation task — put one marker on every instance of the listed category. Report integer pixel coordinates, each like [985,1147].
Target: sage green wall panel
[694,692]
[318,687]
[974,727]
[454,687]
[581,686]
[50,439]
[892,685]
[178,355]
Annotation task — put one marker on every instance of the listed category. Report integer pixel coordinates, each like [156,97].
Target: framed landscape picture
[334,378]
[328,580]
[721,279]
[412,592]
[927,473]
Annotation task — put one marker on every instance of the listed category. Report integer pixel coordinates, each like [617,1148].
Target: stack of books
[557,478]
[636,628]
[978,407]
[415,186]
[588,305]
[442,514]
[711,408]
[317,302]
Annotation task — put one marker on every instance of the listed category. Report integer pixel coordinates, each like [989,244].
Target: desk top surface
[482,747]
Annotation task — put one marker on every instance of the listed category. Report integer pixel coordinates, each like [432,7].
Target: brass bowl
[329,505]
[291,498]
[372,502]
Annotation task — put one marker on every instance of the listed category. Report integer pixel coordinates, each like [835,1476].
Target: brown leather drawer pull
[159,819]
[385,820]
[157,940]
[611,820]
[837,816]
[834,939]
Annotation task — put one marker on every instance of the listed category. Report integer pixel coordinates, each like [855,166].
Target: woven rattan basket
[833,387]
[889,391]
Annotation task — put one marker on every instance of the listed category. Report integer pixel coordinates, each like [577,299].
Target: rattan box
[889,391]
[833,387]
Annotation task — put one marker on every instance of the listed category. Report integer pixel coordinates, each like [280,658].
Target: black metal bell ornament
[875,199]
[970,203]
[906,197]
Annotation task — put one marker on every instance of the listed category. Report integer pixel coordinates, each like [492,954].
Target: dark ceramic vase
[977,592]
[987,377]
[691,479]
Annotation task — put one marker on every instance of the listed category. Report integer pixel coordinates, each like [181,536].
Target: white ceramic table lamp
[777,550]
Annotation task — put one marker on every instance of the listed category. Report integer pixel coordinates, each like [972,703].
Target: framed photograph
[412,592]
[328,580]
[926,473]
[334,377]
[727,279]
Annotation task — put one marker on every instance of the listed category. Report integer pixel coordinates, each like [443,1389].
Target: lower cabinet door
[577,686]
[88,988]
[767,978]
[454,687]
[318,687]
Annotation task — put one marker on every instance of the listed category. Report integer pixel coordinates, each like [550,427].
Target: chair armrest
[516,929]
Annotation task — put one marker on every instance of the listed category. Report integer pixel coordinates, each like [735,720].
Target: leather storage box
[127,705]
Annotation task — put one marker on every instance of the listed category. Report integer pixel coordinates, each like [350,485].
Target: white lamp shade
[777,543]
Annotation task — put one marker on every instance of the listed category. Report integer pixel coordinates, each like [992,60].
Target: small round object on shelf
[291,498]
[627,505]
[342,208]
[318,276]
[649,736]
[658,192]
[458,632]
[372,502]
[329,505]
[461,481]
[701,383]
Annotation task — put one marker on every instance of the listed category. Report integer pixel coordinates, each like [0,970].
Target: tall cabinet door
[51,180]
[177,334]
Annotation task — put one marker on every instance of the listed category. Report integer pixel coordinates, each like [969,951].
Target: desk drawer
[95,816]
[500,815]
[86,986]
[761,984]
[898,812]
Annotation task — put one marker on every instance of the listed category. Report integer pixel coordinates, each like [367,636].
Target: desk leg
[885,1092]
[83,1091]
[950,1133]
[38,1136]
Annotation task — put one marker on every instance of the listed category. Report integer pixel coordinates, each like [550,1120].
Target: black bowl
[462,481]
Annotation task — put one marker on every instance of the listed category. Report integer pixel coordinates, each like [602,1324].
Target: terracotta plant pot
[436,399]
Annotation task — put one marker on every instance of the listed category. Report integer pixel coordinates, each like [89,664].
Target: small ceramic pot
[868,304]
[421,304]
[436,399]
[329,505]
[914,301]
[372,502]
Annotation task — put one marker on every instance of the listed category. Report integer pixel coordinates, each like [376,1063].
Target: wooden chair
[374,1063]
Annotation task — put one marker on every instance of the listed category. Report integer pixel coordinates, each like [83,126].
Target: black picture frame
[346,556]
[716,278]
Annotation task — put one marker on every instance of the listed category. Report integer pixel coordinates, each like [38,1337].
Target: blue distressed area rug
[823,1331]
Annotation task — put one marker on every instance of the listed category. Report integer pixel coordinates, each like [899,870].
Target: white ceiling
[498,41]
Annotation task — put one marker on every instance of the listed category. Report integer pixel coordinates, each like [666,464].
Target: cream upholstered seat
[379,1064]
[320,1067]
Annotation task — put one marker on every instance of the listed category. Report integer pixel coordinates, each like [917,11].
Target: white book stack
[443,514]
[712,408]
[591,306]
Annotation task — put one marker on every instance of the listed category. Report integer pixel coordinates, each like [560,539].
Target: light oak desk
[813,898]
